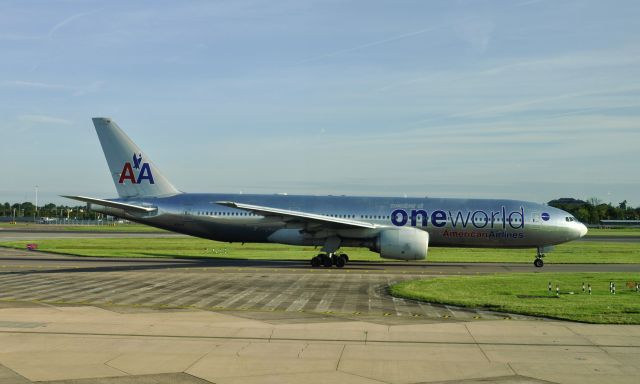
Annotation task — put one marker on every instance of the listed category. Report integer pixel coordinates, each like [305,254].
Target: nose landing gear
[538,261]
[329,259]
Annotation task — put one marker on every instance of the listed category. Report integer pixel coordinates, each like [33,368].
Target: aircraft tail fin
[134,175]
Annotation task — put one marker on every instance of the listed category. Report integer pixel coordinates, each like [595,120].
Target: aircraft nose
[582,230]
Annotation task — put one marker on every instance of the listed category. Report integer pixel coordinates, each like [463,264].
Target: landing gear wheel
[538,263]
[315,261]
[334,259]
[340,262]
[345,257]
[326,261]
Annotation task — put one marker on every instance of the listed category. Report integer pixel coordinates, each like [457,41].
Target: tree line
[591,211]
[28,209]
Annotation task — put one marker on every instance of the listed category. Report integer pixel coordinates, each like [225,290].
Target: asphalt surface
[358,290]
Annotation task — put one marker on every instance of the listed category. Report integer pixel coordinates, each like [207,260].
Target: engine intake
[402,244]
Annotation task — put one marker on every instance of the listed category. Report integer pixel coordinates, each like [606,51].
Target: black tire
[334,259]
[538,263]
[345,257]
[315,262]
[340,262]
[326,261]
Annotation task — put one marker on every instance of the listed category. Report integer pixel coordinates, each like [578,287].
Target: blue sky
[509,99]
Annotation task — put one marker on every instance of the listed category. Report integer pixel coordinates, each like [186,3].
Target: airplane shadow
[82,265]
[79,264]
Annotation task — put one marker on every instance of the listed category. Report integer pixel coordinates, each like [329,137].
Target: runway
[114,321]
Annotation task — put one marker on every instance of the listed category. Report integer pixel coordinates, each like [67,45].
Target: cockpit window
[570,218]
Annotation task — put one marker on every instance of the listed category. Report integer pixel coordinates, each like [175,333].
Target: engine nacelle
[402,244]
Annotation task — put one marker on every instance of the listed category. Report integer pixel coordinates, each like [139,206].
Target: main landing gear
[538,261]
[329,259]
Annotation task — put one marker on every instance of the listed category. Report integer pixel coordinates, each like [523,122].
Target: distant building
[620,223]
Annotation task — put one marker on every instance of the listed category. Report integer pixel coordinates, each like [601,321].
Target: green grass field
[575,252]
[84,228]
[187,247]
[615,232]
[528,294]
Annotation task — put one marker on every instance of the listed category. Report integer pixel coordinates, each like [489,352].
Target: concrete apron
[48,343]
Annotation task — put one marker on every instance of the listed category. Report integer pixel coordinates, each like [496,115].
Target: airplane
[399,228]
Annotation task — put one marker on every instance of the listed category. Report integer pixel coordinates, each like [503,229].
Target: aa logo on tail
[144,171]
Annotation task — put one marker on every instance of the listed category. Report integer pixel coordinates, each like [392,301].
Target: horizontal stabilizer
[300,216]
[113,204]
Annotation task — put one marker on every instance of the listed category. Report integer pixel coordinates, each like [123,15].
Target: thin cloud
[506,109]
[32,84]
[68,20]
[528,2]
[619,57]
[43,119]
[366,45]
[93,87]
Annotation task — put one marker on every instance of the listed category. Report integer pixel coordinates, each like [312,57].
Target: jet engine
[402,244]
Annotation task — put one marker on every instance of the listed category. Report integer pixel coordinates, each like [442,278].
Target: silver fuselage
[449,222]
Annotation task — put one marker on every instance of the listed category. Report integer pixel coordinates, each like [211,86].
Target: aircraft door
[187,211]
[535,220]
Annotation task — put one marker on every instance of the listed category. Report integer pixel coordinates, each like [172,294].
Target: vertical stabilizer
[133,172]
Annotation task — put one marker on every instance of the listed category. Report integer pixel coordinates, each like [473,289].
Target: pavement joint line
[15,373]
[601,347]
[476,342]
[117,369]
[312,371]
[304,347]
[379,380]
[275,339]
[344,346]
[199,359]
[247,345]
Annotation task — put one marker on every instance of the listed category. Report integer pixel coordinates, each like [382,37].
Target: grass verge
[83,228]
[614,232]
[576,252]
[188,247]
[528,294]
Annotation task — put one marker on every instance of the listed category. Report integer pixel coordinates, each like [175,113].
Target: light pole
[36,216]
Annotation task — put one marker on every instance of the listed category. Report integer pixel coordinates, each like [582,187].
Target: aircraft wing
[304,217]
[113,204]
